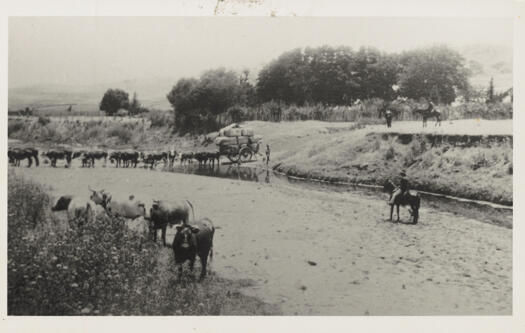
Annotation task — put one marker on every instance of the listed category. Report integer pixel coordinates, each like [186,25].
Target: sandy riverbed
[445,265]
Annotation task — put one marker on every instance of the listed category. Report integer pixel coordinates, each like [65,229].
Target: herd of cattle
[193,237]
[121,158]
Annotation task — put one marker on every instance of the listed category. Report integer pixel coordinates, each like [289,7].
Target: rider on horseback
[402,189]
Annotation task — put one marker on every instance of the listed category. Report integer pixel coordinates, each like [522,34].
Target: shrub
[14,126]
[42,120]
[159,118]
[390,153]
[478,161]
[121,132]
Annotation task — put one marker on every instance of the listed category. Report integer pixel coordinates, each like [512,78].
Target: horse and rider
[429,112]
[400,196]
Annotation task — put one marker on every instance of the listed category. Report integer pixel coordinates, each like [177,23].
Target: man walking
[388,116]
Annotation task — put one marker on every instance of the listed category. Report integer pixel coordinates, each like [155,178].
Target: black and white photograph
[259,165]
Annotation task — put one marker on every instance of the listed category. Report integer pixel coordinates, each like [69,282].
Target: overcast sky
[96,50]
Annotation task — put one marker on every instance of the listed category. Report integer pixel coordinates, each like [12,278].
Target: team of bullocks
[120,158]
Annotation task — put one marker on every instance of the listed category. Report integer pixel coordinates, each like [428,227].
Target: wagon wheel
[245,154]
[234,157]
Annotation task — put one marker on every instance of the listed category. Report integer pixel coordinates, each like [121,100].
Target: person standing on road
[388,116]
[267,154]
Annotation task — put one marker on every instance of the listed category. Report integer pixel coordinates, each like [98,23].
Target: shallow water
[494,214]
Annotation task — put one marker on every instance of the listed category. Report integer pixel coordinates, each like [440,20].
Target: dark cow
[186,157]
[163,213]
[193,240]
[81,154]
[17,154]
[124,158]
[54,155]
[212,157]
[96,155]
[62,203]
[201,157]
[153,158]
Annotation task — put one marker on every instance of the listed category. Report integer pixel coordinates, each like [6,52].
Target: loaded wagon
[238,144]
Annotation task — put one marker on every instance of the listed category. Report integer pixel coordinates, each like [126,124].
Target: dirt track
[445,265]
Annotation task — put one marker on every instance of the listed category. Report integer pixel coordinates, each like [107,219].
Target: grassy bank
[101,268]
[324,152]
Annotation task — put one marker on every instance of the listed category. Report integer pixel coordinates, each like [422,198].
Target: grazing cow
[127,208]
[81,209]
[54,155]
[186,157]
[62,203]
[193,240]
[17,154]
[163,213]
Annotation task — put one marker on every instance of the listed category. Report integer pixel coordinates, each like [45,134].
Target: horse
[408,199]
[429,112]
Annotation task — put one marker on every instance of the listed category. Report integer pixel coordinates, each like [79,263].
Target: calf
[193,240]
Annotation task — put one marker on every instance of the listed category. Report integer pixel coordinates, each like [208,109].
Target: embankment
[467,158]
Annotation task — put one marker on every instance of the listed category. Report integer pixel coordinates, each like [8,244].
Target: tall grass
[99,268]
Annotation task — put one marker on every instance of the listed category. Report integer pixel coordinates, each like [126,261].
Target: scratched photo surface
[261,166]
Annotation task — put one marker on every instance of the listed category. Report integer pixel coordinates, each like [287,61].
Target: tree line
[327,76]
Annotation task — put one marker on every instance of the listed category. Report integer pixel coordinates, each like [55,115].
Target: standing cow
[193,240]
[54,155]
[15,155]
[163,213]
[127,208]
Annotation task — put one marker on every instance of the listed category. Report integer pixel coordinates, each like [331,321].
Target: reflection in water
[232,171]
[478,211]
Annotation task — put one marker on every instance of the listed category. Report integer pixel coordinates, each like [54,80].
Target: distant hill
[488,61]
[485,61]
[151,93]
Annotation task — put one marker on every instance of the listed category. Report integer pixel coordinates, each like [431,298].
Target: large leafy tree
[113,100]
[434,73]
[198,102]
[328,75]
